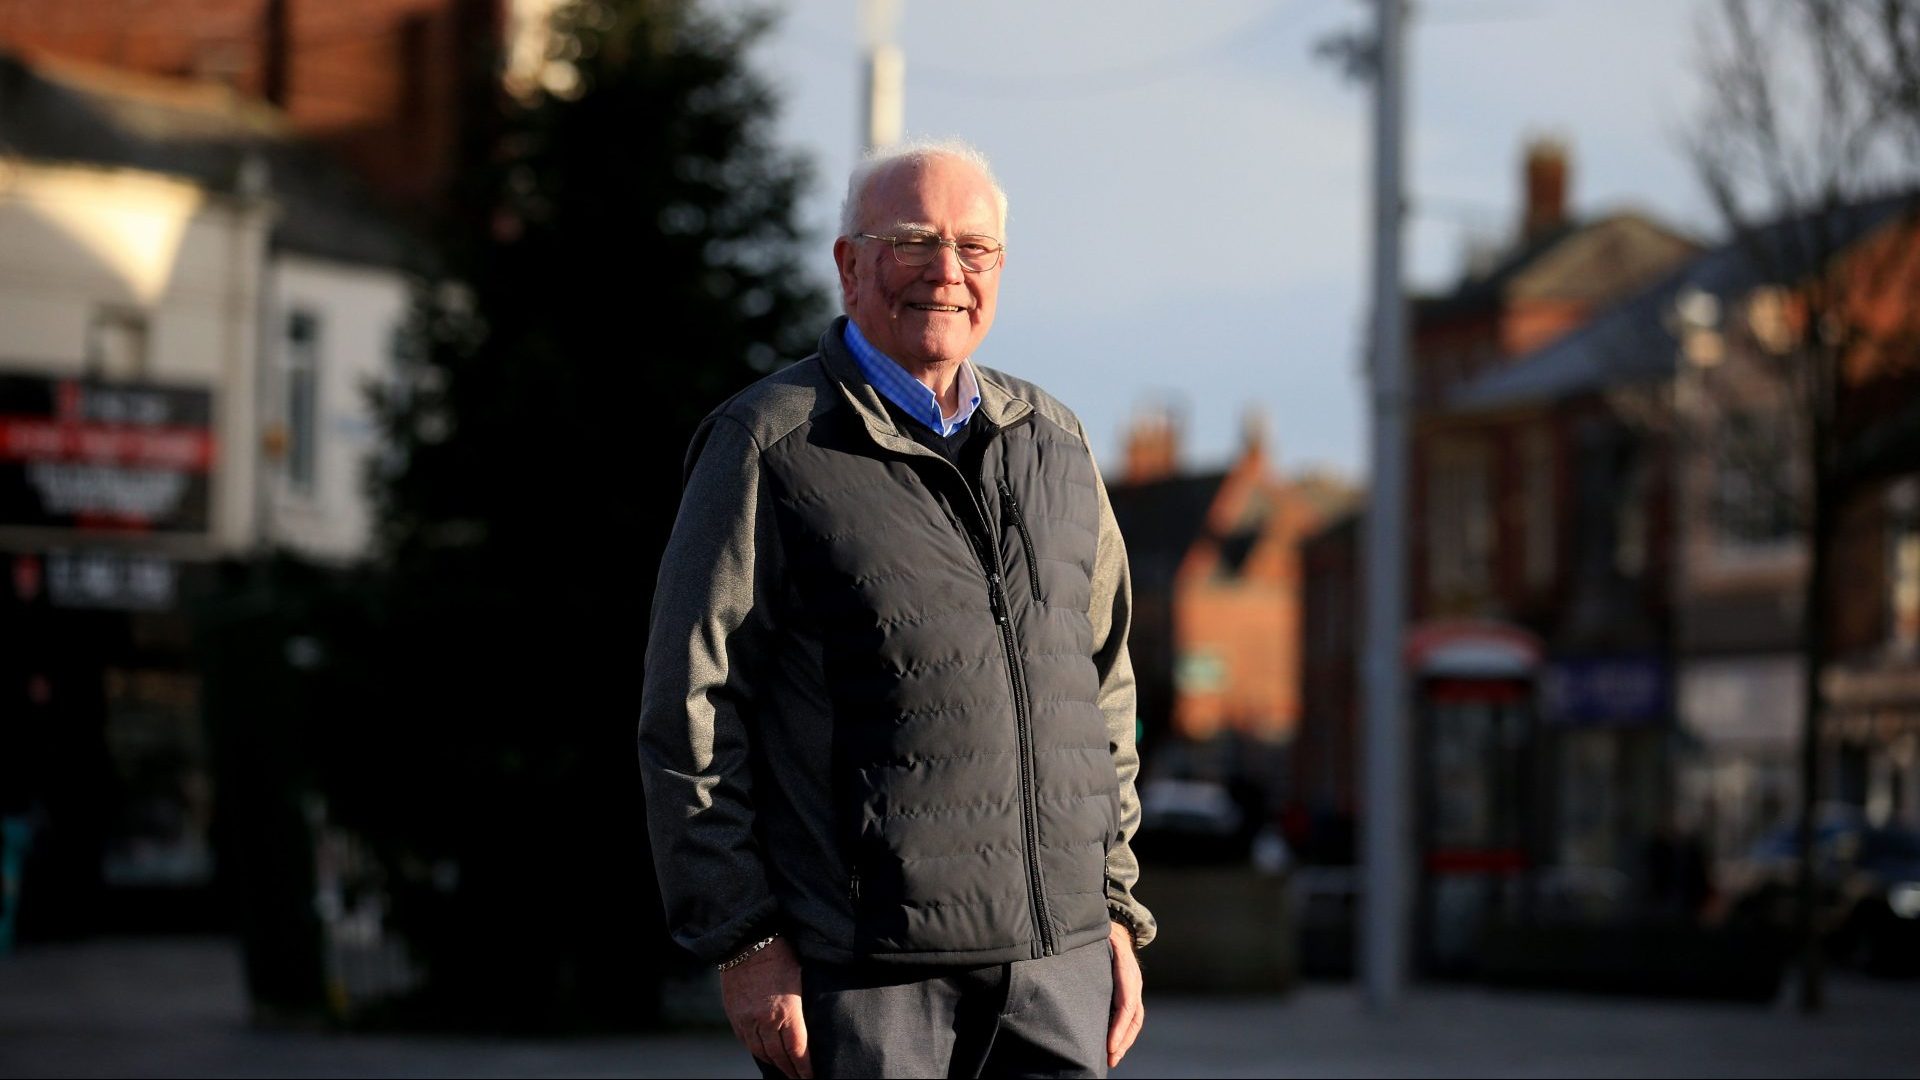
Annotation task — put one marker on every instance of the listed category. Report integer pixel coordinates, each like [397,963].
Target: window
[1327,601]
[1538,511]
[1200,671]
[303,398]
[1755,484]
[1459,520]
[1903,571]
[117,345]
[1631,520]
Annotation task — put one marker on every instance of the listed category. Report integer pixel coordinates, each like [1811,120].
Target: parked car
[1191,822]
[1869,889]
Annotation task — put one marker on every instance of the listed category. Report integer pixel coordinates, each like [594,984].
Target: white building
[192,307]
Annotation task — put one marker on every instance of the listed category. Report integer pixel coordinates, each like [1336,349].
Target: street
[174,1007]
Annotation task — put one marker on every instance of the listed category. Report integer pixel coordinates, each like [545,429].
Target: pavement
[175,1007]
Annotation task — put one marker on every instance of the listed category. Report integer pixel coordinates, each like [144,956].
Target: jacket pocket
[1011,506]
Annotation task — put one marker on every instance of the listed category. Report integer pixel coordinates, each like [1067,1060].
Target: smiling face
[924,317]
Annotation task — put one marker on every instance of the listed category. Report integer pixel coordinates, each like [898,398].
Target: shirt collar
[914,398]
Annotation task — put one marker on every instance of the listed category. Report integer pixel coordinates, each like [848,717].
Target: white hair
[885,159]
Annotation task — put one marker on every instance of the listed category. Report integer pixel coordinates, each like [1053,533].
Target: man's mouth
[950,308]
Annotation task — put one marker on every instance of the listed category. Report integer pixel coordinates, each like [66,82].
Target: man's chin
[937,350]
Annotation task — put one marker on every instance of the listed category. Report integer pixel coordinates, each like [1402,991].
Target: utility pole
[886,73]
[1386,838]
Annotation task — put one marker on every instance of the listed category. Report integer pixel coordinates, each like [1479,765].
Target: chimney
[1253,432]
[1546,180]
[1153,447]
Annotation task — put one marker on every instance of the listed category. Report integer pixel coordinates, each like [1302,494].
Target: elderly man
[887,729]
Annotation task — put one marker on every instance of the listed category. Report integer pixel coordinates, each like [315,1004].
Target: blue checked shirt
[912,395]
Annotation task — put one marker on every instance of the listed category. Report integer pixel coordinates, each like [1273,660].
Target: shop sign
[111,580]
[1605,691]
[93,456]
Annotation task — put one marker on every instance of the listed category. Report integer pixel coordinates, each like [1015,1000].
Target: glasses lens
[915,250]
[978,253]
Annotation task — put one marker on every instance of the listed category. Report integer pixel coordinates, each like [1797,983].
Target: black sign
[123,457]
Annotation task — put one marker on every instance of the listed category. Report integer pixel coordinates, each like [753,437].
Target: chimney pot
[1153,447]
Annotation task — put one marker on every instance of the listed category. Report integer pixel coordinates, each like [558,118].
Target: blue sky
[1190,185]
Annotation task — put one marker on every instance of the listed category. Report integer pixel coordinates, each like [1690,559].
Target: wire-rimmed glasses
[977,254]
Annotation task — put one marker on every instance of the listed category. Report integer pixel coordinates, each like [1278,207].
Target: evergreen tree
[628,257]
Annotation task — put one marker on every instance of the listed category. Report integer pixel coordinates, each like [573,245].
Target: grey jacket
[888,711]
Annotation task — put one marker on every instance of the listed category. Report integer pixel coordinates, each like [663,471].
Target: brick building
[1216,575]
[1325,775]
[388,85]
[1624,495]
[1496,495]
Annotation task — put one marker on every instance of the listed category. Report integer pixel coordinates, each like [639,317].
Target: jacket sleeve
[710,605]
[1111,612]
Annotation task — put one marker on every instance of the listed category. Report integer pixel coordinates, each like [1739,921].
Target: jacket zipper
[1023,721]
[1012,506]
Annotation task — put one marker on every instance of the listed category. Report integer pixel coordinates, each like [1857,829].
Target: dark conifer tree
[624,255]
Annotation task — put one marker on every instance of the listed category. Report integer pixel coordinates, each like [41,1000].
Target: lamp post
[1387,849]
[884,77]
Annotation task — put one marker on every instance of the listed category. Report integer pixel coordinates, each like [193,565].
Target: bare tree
[1809,145]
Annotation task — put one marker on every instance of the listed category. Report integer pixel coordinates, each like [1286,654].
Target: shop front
[106,789]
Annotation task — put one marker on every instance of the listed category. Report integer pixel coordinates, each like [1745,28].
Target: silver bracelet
[749,951]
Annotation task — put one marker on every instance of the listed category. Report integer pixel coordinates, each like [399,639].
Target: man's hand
[762,999]
[1128,1011]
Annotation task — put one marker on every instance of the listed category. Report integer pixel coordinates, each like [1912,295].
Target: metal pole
[1386,843]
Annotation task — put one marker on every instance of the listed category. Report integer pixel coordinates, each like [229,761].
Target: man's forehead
[910,189]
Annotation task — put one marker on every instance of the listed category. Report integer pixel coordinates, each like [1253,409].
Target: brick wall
[1323,750]
[385,83]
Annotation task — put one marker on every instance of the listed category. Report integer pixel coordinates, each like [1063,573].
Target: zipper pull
[994,599]
[1011,509]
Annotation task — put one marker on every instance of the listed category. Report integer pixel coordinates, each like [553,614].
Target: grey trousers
[1045,1017]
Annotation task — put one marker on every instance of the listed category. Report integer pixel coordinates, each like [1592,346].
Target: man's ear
[844,253]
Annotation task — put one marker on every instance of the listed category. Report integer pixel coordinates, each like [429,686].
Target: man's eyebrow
[905,228]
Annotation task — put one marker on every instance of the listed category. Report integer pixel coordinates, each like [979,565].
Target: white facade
[128,276]
[133,276]
[330,326]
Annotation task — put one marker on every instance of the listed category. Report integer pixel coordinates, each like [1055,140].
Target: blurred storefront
[193,305]
[1873,685]
[1593,474]
[106,488]
[1609,725]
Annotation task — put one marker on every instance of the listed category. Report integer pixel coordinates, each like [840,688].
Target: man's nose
[945,265]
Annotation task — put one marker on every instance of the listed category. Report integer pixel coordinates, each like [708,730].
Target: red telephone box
[1476,736]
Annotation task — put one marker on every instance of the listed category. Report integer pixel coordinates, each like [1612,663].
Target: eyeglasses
[978,254]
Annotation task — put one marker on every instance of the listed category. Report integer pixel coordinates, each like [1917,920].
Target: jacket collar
[997,403]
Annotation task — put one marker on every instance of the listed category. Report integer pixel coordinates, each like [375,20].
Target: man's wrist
[748,953]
